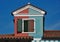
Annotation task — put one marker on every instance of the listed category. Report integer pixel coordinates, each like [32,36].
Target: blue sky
[52,18]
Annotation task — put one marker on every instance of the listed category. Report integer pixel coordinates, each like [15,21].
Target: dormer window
[26,25]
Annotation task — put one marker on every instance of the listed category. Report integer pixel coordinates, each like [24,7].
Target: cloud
[54,26]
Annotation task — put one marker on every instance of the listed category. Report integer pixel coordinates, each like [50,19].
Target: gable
[23,11]
[33,12]
[29,9]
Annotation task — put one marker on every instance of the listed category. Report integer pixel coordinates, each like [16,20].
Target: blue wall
[38,23]
[33,12]
[38,27]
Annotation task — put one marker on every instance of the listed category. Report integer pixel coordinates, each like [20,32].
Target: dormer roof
[29,9]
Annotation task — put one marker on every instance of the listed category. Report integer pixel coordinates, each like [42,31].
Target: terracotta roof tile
[11,36]
[51,33]
[47,34]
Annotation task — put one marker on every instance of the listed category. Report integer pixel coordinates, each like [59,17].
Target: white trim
[19,10]
[42,41]
[42,12]
[56,40]
[29,6]
[51,40]
[23,25]
[28,19]
[47,41]
[33,41]
[37,39]
[28,15]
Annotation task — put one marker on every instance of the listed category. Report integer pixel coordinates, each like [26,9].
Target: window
[26,25]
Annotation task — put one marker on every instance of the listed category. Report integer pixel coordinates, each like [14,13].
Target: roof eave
[29,6]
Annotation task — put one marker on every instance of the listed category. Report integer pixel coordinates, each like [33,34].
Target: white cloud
[53,26]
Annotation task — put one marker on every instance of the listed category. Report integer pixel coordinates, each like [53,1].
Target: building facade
[29,27]
[28,21]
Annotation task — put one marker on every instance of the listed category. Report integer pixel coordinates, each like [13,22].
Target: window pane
[28,25]
[25,25]
[19,26]
[31,25]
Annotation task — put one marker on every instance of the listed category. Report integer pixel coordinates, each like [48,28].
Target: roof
[48,34]
[27,7]
[12,36]
[52,34]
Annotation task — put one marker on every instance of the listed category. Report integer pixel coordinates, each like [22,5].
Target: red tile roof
[51,33]
[47,34]
[13,36]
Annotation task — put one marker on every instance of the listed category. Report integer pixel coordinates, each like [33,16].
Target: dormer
[29,21]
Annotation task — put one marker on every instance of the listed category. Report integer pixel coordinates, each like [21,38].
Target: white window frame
[23,25]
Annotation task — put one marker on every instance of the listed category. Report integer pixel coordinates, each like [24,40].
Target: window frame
[23,25]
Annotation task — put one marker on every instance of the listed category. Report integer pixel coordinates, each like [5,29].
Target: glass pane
[25,25]
[19,25]
[28,25]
